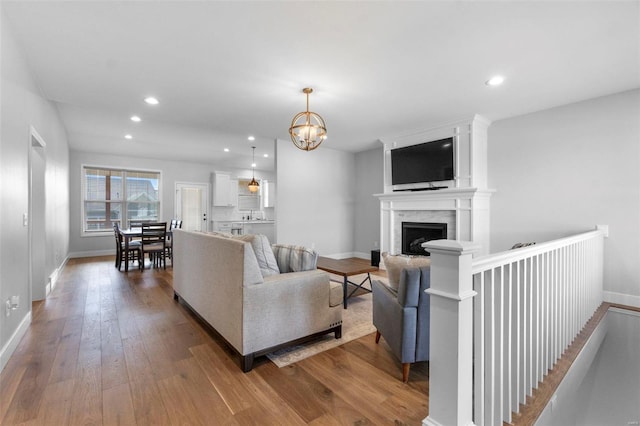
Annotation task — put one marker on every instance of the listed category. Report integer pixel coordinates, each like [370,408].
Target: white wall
[172,172]
[369,181]
[23,106]
[315,198]
[564,170]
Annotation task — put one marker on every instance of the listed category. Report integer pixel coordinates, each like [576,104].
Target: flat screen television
[425,162]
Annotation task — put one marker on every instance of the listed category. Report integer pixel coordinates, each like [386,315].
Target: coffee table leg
[345,284]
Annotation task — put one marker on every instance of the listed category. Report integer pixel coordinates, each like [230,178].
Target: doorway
[192,205]
[35,218]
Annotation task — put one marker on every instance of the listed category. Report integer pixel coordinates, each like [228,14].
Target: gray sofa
[256,310]
[402,316]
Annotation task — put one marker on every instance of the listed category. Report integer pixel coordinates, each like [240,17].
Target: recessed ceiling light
[495,81]
[251,138]
[253,165]
[136,118]
[151,100]
[266,155]
[226,150]
[128,137]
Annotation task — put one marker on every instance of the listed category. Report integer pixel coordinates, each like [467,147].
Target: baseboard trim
[11,345]
[362,255]
[621,298]
[91,253]
[55,276]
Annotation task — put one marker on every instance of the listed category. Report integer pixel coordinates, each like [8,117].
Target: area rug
[356,322]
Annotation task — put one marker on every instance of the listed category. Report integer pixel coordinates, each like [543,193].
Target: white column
[451,334]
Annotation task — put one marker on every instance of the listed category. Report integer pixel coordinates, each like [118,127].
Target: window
[118,196]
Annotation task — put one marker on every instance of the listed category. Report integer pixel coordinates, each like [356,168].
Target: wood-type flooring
[108,347]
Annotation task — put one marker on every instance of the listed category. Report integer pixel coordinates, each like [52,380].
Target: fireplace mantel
[468,208]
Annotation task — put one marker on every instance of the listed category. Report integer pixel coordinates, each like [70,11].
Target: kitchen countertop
[246,221]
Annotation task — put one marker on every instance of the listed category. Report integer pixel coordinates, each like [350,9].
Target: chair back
[137,223]
[154,233]
[175,224]
[116,231]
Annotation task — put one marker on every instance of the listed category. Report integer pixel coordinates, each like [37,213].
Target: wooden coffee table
[347,268]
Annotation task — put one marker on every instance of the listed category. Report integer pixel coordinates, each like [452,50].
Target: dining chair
[174,224]
[154,240]
[134,253]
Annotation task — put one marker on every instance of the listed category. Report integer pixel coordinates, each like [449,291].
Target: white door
[192,201]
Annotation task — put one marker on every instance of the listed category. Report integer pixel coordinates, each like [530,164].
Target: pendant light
[253,185]
[308,129]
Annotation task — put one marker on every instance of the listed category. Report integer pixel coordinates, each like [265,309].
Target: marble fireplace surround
[464,210]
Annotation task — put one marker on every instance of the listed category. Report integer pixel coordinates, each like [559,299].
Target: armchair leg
[405,371]
[377,337]
[338,332]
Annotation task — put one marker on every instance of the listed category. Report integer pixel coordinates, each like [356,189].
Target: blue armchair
[402,317]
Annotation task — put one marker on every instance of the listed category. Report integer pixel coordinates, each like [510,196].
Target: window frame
[123,203]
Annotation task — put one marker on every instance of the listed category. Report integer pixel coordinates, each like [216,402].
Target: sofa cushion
[262,249]
[396,263]
[292,258]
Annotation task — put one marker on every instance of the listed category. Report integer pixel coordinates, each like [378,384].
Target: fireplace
[416,233]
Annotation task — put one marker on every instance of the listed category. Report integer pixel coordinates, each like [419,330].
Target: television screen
[425,162]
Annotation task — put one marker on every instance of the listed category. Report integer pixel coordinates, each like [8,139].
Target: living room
[557,167]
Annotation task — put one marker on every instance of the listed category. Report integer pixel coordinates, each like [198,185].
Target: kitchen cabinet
[225,190]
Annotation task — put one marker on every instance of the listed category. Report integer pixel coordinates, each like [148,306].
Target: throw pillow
[396,263]
[520,245]
[264,254]
[295,258]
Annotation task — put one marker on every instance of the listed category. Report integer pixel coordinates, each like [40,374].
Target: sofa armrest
[395,322]
[285,307]
[409,287]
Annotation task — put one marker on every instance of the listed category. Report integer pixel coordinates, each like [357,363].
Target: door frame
[35,142]
[205,186]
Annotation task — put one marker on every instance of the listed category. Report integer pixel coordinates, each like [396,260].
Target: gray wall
[315,198]
[24,106]
[172,172]
[369,181]
[562,171]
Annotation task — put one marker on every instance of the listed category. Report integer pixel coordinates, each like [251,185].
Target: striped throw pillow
[294,258]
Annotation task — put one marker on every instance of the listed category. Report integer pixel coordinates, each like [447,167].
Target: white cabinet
[225,190]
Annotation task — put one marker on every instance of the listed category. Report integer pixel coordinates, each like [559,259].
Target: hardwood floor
[113,348]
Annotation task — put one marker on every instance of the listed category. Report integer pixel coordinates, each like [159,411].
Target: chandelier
[253,185]
[307,128]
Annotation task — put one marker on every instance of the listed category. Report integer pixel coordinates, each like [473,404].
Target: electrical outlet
[25,219]
[11,304]
[375,244]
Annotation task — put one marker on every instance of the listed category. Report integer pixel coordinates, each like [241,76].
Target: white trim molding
[621,298]
[14,340]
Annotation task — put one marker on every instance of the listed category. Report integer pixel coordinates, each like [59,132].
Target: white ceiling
[226,70]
